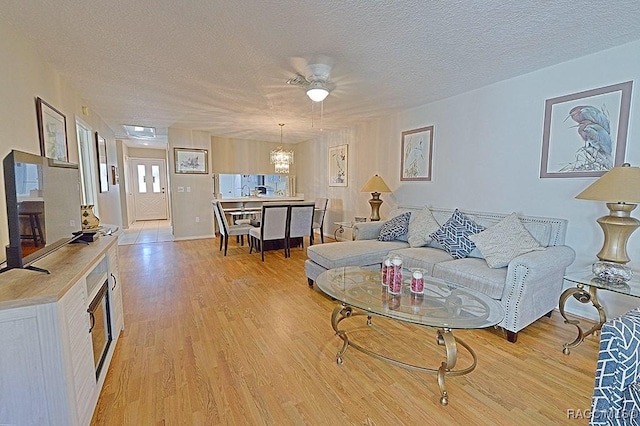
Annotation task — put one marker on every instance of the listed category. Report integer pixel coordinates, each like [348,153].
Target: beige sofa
[528,287]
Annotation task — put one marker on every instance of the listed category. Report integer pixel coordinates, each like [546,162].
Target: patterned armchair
[616,394]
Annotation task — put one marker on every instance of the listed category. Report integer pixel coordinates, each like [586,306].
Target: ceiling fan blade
[298,80]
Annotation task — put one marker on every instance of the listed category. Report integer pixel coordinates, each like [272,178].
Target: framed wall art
[101,150]
[191,161]
[52,131]
[338,165]
[585,133]
[416,155]
[115,179]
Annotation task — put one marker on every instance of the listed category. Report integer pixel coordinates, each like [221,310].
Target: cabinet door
[79,354]
[115,293]
[23,398]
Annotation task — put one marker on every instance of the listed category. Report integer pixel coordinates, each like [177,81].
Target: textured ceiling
[222,66]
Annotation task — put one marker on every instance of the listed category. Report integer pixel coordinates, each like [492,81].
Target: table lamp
[375,186]
[620,189]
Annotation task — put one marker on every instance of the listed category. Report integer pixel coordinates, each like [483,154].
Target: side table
[585,291]
[340,228]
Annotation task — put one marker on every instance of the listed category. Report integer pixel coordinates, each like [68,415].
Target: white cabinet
[80,372]
[47,367]
[115,292]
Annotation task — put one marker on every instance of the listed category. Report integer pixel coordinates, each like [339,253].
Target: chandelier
[280,157]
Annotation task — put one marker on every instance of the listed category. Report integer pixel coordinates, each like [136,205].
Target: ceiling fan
[316,84]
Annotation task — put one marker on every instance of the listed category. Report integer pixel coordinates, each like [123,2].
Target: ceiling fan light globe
[317,94]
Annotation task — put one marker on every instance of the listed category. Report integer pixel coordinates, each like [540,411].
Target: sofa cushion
[395,228]
[473,273]
[421,257]
[421,226]
[504,241]
[453,235]
[352,253]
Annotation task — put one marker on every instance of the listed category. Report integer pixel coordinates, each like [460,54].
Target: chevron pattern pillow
[453,235]
[394,228]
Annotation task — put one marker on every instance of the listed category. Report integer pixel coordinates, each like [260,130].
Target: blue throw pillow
[395,228]
[453,235]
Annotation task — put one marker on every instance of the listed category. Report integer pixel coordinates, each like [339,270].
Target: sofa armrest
[533,285]
[366,230]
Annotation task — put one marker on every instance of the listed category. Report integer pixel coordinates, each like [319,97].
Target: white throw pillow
[422,225]
[504,241]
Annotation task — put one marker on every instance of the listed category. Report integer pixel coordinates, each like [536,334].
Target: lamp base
[617,228]
[375,203]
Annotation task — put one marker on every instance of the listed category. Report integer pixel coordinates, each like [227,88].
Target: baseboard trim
[195,237]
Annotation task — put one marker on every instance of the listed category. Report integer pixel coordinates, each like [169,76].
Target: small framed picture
[52,131]
[338,165]
[417,150]
[191,161]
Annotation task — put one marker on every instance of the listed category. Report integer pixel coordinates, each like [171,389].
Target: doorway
[149,181]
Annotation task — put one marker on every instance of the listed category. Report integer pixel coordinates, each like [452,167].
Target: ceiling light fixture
[140,132]
[281,158]
[317,91]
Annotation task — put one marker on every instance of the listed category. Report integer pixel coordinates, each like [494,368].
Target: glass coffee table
[442,305]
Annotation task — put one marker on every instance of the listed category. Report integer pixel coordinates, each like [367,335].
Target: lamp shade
[375,184]
[619,185]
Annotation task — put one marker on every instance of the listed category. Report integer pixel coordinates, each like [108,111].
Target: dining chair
[300,222]
[227,230]
[318,217]
[273,226]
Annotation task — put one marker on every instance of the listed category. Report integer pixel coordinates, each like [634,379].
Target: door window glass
[155,172]
[142,178]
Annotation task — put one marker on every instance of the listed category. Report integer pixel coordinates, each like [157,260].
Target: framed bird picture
[585,133]
[417,150]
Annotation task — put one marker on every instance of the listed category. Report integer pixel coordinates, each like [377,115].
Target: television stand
[31,267]
[35,268]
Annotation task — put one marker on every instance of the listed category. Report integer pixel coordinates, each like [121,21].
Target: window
[88,165]
[142,179]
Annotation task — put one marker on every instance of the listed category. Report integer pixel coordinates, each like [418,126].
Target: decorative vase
[90,221]
[613,273]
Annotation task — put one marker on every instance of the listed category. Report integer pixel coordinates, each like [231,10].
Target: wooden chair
[33,210]
[227,230]
[318,217]
[273,226]
[300,222]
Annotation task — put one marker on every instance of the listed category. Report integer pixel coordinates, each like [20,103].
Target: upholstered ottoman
[322,257]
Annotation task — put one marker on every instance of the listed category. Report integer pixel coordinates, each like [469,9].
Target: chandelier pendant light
[281,158]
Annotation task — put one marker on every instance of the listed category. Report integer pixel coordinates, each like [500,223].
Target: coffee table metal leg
[339,313]
[444,337]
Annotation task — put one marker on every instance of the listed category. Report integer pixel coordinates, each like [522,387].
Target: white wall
[24,76]
[191,210]
[487,150]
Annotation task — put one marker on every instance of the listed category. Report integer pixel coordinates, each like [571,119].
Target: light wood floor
[214,340]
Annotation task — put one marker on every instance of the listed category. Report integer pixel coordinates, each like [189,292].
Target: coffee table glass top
[442,304]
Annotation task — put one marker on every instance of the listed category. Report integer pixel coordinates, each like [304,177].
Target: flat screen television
[43,207]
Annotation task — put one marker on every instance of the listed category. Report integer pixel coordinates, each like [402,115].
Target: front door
[149,189]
